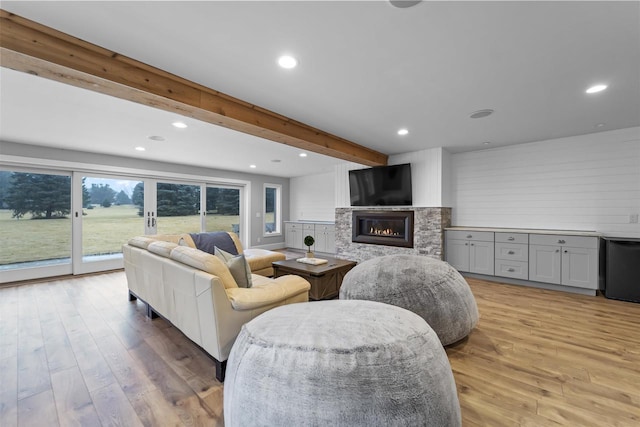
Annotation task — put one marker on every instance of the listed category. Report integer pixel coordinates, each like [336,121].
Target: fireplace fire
[390,228]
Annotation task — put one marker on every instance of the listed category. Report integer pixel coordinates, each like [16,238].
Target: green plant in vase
[308,242]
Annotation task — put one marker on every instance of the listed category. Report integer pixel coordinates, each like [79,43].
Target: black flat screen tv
[381,186]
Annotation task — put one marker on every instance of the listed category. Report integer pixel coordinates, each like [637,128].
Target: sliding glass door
[223,209]
[35,224]
[178,208]
[108,219]
[56,223]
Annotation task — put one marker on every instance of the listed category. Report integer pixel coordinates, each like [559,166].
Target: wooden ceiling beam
[36,49]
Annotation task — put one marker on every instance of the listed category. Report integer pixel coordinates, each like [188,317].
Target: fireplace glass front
[391,228]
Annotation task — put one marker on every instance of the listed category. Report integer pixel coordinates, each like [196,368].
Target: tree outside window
[272,208]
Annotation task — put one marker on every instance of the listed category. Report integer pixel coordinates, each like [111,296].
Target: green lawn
[104,232]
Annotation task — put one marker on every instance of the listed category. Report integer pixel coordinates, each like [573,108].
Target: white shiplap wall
[589,182]
[427,175]
[312,198]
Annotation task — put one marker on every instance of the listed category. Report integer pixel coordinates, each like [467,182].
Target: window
[222,209]
[272,209]
[35,223]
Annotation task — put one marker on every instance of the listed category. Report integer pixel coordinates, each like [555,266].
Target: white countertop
[529,231]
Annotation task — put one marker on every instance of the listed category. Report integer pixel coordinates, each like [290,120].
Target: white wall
[312,198]
[429,175]
[589,182]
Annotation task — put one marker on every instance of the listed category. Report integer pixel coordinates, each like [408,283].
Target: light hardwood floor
[76,352]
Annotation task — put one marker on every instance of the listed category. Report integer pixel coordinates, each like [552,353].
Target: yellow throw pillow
[238,266]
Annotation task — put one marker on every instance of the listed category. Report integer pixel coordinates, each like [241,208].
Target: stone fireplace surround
[428,234]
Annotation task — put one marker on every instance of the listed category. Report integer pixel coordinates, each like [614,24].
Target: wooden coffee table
[325,279]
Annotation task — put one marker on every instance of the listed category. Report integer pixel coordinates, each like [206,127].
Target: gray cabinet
[564,260]
[512,255]
[470,251]
[323,234]
[522,256]
[293,235]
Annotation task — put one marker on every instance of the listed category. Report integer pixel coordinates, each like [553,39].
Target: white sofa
[196,292]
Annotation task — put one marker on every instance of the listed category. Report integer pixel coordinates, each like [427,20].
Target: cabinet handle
[557,250]
[561,241]
[511,270]
[466,244]
[511,238]
[566,251]
[472,244]
[511,252]
[469,236]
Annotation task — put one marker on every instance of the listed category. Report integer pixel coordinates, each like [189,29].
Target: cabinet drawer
[560,240]
[512,252]
[325,228]
[512,238]
[308,228]
[513,269]
[482,236]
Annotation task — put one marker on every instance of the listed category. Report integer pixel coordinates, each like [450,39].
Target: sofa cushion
[209,241]
[262,258]
[205,262]
[141,242]
[238,267]
[161,248]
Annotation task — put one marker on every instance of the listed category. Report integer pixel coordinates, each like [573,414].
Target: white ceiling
[366,69]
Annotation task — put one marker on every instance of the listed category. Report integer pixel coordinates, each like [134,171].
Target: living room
[579,177]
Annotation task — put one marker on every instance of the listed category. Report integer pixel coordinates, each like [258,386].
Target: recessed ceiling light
[179,125]
[402,4]
[276,161]
[302,154]
[141,149]
[403,132]
[252,166]
[156,138]
[481,113]
[486,142]
[596,88]
[287,61]
[599,125]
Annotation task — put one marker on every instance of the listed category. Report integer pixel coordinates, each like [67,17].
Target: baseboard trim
[539,285]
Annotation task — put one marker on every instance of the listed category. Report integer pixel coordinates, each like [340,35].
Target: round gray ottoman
[339,363]
[429,287]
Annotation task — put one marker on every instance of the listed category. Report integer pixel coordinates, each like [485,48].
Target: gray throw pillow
[238,266]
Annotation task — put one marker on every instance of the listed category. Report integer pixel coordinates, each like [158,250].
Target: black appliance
[623,269]
[381,186]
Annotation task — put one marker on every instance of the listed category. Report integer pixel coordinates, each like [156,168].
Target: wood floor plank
[113,407]
[91,362]
[181,397]
[8,322]
[129,373]
[9,391]
[38,409]
[73,402]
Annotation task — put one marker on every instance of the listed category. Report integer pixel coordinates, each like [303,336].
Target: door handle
[153,222]
[511,252]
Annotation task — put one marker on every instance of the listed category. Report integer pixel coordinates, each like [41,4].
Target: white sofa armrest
[271,292]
